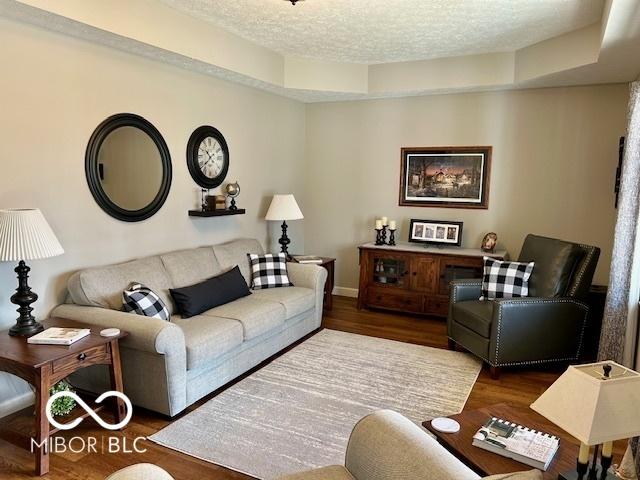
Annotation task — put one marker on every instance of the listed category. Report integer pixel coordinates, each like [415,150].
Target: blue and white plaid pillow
[269,271]
[505,279]
[142,300]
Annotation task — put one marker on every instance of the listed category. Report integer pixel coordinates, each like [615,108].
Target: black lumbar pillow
[216,291]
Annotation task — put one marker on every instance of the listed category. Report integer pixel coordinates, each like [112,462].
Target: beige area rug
[297,412]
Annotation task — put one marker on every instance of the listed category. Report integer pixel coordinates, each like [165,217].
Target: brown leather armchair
[547,326]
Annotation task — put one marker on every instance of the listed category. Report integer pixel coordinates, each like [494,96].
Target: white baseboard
[345,292]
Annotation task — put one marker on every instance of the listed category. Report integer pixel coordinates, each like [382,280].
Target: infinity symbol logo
[89,410]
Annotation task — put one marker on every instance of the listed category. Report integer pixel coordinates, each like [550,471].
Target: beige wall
[55,90]
[554,158]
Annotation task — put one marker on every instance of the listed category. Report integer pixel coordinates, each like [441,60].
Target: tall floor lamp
[25,235]
[283,208]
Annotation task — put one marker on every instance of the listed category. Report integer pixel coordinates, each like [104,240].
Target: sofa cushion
[555,262]
[235,253]
[221,289]
[476,315]
[186,267]
[295,300]
[207,337]
[256,316]
[103,286]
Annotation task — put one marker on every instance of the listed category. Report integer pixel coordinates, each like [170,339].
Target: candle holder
[383,235]
[392,237]
[203,203]
[379,236]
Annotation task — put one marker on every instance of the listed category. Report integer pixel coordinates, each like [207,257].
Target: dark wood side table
[486,463]
[329,264]
[45,365]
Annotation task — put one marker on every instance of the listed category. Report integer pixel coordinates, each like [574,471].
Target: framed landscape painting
[454,177]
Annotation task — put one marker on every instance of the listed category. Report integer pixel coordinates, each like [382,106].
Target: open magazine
[522,444]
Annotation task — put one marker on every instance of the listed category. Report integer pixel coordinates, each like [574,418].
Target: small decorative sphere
[233,189]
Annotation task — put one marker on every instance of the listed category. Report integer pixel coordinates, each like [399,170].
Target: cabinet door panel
[389,270]
[454,268]
[424,274]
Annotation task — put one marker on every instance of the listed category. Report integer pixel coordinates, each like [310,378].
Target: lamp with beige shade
[284,207]
[596,403]
[25,235]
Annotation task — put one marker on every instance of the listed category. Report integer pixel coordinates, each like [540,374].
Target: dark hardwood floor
[515,386]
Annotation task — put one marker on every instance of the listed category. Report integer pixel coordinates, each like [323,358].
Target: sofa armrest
[537,330]
[145,334]
[307,275]
[140,471]
[464,290]
[386,445]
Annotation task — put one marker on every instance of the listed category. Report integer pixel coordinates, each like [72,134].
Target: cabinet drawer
[384,298]
[438,306]
[73,362]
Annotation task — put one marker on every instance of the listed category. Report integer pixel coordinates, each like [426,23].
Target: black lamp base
[26,324]
[284,240]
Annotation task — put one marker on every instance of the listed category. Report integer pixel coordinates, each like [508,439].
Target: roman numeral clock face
[210,157]
[207,157]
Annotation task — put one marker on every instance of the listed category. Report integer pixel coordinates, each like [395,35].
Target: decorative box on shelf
[413,278]
[216,213]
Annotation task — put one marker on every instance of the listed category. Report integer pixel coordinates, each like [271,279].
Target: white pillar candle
[583,457]
[607,449]
[392,225]
[378,224]
[385,221]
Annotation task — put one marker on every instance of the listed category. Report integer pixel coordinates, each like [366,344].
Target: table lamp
[284,207]
[596,403]
[25,235]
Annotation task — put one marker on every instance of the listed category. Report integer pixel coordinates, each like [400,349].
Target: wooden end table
[486,463]
[45,365]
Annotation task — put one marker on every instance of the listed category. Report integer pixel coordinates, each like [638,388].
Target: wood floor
[515,386]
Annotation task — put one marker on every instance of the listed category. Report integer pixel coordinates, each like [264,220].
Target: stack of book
[522,444]
[307,259]
[59,336]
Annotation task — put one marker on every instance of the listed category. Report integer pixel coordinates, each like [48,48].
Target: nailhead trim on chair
[551,300]
[471,283]
[580,274]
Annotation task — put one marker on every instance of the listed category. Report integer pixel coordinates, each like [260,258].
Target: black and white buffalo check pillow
[269,271]
[505,279]
[142,300]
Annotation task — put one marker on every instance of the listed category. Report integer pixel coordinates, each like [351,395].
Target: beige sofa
[383,446]
[170,365]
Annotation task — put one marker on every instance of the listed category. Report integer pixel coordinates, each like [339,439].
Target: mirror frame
[91,166]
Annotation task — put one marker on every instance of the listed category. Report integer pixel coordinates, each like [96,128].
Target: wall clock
[207,157]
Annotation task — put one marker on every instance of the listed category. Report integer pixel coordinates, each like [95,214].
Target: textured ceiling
[381,31]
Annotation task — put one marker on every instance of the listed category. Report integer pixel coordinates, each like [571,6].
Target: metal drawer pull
[82,356]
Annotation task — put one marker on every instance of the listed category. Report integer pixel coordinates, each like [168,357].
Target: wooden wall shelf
[216,213]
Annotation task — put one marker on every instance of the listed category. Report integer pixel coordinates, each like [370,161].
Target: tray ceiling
[382,31]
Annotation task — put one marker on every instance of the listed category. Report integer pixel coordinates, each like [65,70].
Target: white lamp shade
[592,408]
[26,235]
[284,207]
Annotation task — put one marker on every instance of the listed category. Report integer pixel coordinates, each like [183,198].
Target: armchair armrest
[537,330]
[387,445]
[145,334]
[464,290]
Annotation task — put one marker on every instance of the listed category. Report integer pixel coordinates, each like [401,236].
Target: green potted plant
[63,405]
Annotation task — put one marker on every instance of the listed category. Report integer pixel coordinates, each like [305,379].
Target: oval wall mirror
[128,167]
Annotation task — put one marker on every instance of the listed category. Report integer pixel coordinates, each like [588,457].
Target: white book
[307,259]
[59,336]
[522,444]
